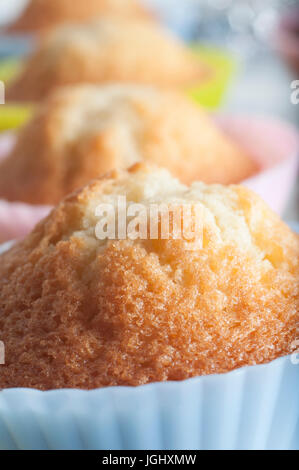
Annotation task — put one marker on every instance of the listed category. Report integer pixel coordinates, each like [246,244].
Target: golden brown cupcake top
[41,15]
[76,311]
[82,132]
[109,49]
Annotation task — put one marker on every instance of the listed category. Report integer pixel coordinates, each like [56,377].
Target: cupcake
[81,132]
[41,15]
[105,50]
[81,310]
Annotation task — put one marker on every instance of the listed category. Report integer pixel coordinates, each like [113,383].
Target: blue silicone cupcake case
[250,408]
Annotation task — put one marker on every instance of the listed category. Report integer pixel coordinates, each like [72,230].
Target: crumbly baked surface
[82,132]
[106,50]
[41,15]
[80,312]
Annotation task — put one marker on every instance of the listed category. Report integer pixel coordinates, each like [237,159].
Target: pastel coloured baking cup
[13,116]
[18,219]
[274,146]
[223,66]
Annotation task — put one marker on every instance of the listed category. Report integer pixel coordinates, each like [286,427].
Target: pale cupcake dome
[81,132]
[42,15]
[105,50]
[78,312]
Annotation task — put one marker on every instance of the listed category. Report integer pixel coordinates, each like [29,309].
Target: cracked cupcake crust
[82,132]
[107,50]
[76,312]
[42,15]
